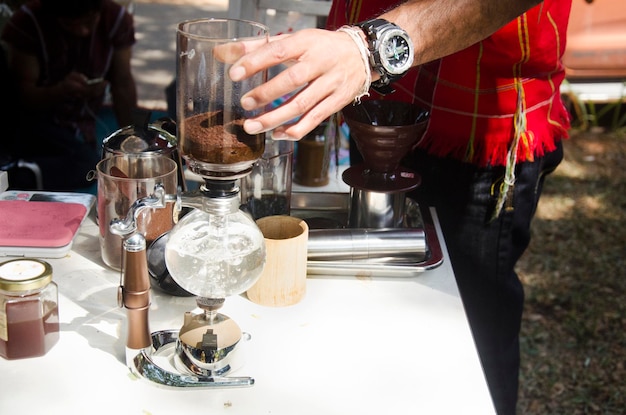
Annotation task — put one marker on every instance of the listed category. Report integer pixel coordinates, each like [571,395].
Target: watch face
[396,52]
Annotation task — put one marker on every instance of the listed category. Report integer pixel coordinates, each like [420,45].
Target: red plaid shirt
[485,96]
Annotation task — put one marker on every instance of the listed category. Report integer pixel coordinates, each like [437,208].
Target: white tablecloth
[351,346]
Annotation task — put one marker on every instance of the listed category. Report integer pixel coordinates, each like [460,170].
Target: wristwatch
[391,52]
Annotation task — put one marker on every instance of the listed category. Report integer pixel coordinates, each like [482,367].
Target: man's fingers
[229,52]
[301,113]
[259,57]
[233,51]
[287,82]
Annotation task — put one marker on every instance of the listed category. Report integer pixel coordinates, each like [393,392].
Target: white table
[351,346]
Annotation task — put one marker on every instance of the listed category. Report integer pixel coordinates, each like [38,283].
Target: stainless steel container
[367,245]
[370,209]
[145,138]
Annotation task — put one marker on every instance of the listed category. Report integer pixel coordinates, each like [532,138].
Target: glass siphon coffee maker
[216,250]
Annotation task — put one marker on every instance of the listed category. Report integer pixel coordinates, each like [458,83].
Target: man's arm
[440,28]
[25,68]
[327,70]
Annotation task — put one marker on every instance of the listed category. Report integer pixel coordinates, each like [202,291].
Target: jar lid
[24,274]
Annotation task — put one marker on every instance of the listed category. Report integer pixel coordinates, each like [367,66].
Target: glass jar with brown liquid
[313,158]
[29,312]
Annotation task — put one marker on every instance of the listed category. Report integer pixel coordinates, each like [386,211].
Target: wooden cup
[283,281]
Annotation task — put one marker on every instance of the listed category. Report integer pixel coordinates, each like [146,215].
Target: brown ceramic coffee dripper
[384,132]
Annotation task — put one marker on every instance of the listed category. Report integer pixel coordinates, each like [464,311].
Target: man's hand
[76,86]
[324,72]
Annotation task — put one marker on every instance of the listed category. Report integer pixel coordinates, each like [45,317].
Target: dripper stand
[384,132]
[202,352]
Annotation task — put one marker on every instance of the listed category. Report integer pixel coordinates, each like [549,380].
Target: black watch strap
[384,88]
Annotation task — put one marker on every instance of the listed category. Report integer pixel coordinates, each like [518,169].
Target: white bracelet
[354,33]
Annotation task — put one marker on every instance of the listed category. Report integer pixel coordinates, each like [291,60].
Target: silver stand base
[142,363]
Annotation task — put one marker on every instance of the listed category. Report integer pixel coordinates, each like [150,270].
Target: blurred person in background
[64,56]
[489,72]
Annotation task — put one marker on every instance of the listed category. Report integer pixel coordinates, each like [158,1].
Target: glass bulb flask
[213,252]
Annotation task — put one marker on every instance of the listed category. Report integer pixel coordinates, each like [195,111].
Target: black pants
[484,252]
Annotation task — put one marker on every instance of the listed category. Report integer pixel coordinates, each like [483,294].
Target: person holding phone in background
[64,55]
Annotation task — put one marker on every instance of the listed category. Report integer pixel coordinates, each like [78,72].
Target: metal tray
[330,210]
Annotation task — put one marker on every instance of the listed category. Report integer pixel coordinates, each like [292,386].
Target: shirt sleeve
[121,25]
[21,32]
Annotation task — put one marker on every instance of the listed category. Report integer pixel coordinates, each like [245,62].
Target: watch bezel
[375,31]
[387,35]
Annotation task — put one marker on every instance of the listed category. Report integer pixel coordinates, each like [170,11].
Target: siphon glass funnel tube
[209,114]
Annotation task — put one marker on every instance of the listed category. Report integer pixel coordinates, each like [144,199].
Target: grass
[573,334]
